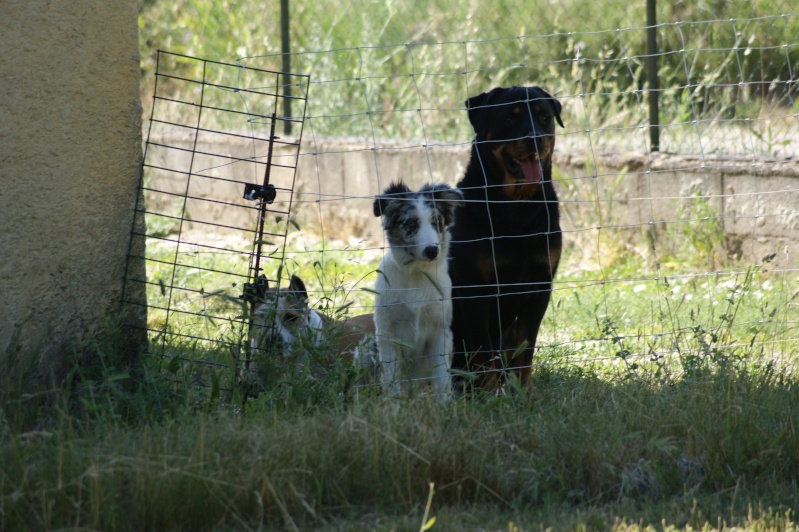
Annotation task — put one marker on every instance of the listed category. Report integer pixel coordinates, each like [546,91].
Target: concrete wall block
[449,163]
[338,178]
[679,196]
[761,207]
[609,201]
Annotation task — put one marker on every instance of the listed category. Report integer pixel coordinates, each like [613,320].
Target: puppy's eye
[411,224]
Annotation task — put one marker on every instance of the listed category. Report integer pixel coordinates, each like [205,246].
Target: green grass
[652,407]
[665,391]
[572,454]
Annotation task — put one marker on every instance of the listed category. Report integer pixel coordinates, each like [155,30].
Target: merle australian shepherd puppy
[413,309]
[506,241]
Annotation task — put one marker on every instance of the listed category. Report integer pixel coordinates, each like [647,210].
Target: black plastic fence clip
[250,292]
[256,292]
[255,192]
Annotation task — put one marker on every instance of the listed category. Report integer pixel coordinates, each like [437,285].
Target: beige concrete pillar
[70,150]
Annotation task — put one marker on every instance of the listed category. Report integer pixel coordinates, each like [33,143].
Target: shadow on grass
[581,449]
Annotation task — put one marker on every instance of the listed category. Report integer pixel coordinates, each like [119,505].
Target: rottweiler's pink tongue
[531,170]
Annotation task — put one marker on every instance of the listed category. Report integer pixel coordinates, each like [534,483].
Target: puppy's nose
[431,252]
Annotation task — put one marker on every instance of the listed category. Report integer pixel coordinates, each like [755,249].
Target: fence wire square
[215,136]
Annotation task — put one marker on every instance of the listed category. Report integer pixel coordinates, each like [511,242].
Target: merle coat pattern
[506,241]
[413,307]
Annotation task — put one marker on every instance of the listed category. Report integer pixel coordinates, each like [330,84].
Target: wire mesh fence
[735,95]
[730,62]
[667,257]
[214,206]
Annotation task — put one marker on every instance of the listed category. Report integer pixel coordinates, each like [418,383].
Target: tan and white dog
[284,323]
[413,306]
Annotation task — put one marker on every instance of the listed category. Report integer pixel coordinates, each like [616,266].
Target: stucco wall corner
[70,156]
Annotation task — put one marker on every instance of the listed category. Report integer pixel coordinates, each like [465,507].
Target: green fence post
[652,74]
[285,50]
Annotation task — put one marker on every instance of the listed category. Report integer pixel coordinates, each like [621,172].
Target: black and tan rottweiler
[506,240]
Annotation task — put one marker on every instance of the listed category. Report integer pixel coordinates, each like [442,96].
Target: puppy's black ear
[446,199]
[297,287]
[261,286]
[444,192]
[378,207]
[394,191]
[556,107]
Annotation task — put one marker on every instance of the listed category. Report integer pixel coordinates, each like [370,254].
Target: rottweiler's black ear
[555,105]
[477,107]
[476,112]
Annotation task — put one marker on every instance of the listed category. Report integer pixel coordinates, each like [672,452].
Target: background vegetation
[404,69]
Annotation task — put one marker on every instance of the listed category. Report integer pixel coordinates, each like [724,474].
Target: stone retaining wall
[756,201]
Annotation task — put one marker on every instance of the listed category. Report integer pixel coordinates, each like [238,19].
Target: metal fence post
[285,48]
[652,74]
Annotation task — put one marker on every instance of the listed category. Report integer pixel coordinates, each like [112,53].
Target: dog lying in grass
[413,307]
[285,324]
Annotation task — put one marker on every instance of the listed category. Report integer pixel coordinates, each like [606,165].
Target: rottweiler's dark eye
[544,119]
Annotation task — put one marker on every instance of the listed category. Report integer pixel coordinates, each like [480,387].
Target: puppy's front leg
[439,356]
[395,356]
[389,360]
